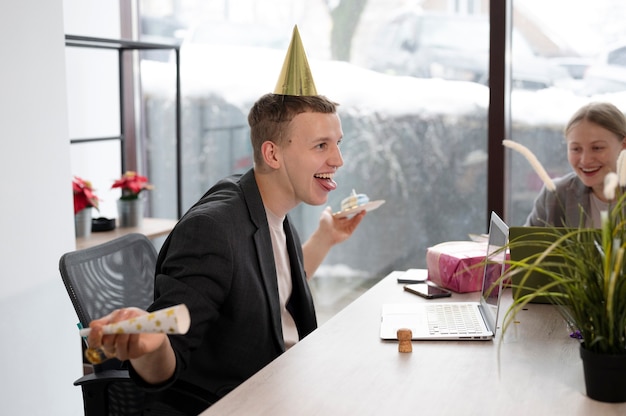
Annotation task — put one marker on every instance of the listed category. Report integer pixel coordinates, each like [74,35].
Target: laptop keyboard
[453,319]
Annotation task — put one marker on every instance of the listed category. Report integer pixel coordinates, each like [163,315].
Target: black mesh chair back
[100,279]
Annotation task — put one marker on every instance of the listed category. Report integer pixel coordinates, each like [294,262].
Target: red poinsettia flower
[132,184]
[83,195]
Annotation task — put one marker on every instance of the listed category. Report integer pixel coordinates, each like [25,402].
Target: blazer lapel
[300,304]
[577,197]
[263,243]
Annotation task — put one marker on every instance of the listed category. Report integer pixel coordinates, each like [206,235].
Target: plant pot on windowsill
[84,200]
[130,205]
[82,223]
[130,212]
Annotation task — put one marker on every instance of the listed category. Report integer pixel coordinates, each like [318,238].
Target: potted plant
[130,205]
[84,200]
[587,281]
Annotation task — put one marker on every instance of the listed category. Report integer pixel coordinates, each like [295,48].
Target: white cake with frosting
[354,200]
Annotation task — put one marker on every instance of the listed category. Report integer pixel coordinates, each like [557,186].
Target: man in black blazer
[238,264]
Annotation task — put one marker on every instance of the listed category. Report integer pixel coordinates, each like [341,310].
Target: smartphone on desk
[413,276]
[427,290]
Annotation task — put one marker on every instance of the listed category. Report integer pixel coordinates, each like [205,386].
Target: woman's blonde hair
[605,115]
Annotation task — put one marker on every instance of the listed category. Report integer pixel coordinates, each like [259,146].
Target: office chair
[100,279]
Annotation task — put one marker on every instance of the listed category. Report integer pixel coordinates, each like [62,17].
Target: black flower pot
[605,376]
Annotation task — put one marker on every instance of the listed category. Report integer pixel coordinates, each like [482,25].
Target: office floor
[332,294]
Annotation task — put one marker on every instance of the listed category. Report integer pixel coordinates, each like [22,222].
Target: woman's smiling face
[592,152]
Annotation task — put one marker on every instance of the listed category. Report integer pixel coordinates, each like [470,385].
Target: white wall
[40,348]
[93,98]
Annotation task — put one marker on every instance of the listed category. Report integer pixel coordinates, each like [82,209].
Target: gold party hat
[295,77]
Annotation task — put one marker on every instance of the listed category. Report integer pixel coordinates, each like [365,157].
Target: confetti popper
[172,320]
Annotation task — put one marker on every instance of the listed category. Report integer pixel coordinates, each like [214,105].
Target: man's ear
[271,154]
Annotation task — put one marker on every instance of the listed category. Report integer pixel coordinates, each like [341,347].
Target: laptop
[429,320]
[529,242]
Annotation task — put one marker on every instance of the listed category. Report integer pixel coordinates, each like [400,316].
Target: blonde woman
[594,137]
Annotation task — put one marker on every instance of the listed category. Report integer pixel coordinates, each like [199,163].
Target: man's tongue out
[327,183]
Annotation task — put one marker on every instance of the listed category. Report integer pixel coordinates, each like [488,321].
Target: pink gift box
[455,265]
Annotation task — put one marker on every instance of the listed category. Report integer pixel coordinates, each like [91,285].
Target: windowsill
[151,227]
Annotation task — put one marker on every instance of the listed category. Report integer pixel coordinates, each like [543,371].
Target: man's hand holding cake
[355,203]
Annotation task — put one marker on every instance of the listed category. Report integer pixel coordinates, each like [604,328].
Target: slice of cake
[354,200]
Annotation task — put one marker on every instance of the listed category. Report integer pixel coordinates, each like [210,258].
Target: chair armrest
[105,376]
[110,392]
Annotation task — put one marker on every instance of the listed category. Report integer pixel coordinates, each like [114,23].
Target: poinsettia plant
[131,184]
[84,196]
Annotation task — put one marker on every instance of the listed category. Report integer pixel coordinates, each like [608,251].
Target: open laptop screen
[496,256]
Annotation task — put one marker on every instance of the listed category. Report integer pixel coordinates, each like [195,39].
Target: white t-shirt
[596,206]
[283,272]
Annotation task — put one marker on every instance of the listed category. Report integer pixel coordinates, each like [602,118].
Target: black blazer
[218,260]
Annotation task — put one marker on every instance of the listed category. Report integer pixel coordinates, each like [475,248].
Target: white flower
[534,162]
[610,184]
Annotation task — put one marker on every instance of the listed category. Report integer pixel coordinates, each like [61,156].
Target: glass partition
[413,87]
[585,40]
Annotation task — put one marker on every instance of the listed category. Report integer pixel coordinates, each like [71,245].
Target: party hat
[295,77]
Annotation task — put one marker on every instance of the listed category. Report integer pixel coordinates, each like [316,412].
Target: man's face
[310,157]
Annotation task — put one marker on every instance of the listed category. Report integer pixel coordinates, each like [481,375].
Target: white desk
[343,368]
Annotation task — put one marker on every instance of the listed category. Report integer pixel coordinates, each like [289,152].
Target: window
[589,44]
[414,109]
